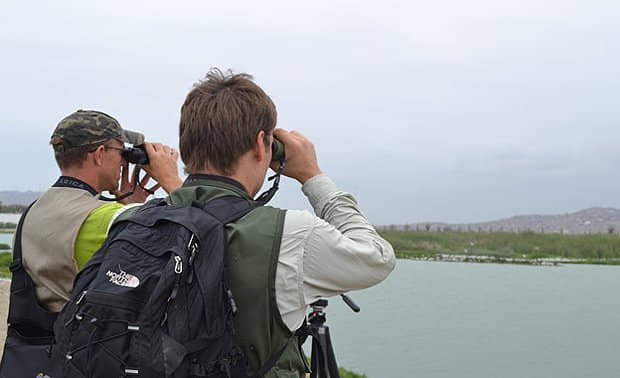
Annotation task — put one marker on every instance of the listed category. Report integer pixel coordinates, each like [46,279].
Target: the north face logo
[123,278]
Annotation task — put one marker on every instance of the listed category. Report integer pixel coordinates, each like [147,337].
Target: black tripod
[323,361]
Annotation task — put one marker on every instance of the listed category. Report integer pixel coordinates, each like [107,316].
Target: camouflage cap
[86,127]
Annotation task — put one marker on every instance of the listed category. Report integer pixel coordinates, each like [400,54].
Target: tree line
[12,209]
[8,225]
[504,244]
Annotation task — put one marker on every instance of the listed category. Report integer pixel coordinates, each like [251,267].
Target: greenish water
[440,320]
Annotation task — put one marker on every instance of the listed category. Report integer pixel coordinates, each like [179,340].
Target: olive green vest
[253,250]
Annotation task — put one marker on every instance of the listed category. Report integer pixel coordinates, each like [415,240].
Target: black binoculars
[277,150]
[136,155]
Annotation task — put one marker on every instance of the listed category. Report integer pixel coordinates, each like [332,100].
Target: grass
[5,260]
[344,373]
[595,248]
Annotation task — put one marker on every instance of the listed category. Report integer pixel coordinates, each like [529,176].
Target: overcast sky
[451,111]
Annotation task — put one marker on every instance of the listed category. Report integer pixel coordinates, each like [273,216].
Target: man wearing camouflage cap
[69,222]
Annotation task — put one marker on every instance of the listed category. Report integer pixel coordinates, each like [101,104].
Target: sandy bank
[5,286]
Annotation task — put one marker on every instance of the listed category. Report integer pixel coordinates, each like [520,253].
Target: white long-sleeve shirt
[332,252]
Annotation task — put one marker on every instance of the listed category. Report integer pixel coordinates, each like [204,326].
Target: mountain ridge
[17,197]
[593,220]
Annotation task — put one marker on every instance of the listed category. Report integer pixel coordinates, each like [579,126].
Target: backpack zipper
[77,309]
[81,297]
[192,247]
[178,264]
[178,270]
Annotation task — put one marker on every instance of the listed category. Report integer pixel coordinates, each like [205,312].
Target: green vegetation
[4,246]
[344,373]
[13,209]
[9,226]
[594,248]
[5,261]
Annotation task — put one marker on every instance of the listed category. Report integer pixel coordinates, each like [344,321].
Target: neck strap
[267,195]
[72,182]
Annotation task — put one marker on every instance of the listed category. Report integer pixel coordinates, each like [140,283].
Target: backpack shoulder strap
[24,309]
[229,208]
[133,210]
[17,263]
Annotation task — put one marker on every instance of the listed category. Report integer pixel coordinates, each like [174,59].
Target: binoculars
[277,150]
[137,154]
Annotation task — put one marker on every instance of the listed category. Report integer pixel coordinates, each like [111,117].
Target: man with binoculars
[69,222]
[62,229]
[278,261]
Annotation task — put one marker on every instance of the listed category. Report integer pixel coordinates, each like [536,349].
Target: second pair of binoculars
[136,154]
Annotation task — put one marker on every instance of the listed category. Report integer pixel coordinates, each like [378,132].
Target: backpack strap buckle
[16,265]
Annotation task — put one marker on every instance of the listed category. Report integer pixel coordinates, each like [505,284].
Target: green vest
[253,250]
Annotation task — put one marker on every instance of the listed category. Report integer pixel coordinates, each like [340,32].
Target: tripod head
[323,361]
[317,315]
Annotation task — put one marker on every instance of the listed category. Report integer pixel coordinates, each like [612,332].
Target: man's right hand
[163,165]
[301,163]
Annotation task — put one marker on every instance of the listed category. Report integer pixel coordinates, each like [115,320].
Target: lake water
[9,218]
[6,239]
[447,320]
[433,319]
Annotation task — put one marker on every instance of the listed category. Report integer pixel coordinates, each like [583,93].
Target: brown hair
[220,119]
[72,156]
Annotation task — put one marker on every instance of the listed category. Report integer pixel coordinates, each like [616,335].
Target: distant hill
[595,220]
[13,197]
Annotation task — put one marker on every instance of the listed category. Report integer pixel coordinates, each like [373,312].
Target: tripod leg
[331,357]
[320,360]
[314,359]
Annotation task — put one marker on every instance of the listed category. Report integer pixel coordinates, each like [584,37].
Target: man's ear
[97,155]
[260,152]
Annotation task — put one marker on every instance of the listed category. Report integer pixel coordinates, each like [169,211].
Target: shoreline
[483,259]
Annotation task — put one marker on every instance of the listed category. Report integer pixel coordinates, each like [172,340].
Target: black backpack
[153,302]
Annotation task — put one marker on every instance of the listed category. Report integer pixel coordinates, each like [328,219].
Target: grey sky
[444,110]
